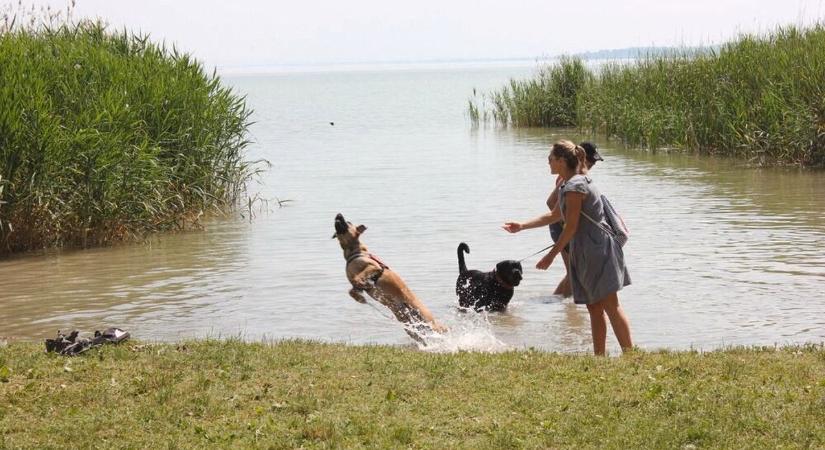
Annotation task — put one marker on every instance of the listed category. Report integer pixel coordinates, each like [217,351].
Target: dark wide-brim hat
[590,150]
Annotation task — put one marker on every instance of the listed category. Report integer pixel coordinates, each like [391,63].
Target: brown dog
[369,274]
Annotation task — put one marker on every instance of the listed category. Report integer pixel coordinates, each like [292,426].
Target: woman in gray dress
[597,270]
[592,156]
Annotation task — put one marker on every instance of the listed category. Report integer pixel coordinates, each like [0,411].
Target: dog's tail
[462,248]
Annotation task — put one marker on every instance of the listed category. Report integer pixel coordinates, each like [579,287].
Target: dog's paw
[357,295]
[362,283]
[438,328]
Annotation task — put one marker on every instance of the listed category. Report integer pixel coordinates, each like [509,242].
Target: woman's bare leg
[564,288]
[598,328]
[618,320]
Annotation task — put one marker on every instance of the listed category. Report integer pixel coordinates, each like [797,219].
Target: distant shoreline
[374,66]
[441,64]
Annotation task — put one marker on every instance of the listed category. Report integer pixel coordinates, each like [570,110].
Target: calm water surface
[720,254]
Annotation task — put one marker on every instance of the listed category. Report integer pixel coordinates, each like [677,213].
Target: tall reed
[105,136]
[548,99]
[760,98]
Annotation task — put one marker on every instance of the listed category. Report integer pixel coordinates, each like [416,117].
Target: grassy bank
[760,97]
[105,136]
[291,394]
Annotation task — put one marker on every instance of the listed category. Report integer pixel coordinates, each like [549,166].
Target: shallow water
[720,254]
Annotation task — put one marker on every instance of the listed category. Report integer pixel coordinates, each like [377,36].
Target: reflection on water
[720,254]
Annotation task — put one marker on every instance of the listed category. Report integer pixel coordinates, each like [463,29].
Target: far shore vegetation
[760,98]
[106,136]
[293,394]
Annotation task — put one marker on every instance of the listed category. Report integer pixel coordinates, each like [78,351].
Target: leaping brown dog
[367,273]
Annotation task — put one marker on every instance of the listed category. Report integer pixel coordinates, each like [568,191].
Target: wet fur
[389,289]
[482,290]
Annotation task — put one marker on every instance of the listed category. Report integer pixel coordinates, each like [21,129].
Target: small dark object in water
[332,123]
[70,345]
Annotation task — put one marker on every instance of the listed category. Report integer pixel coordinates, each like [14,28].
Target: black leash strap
[534,254]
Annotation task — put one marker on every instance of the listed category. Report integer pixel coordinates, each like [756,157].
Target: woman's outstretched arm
[540,221]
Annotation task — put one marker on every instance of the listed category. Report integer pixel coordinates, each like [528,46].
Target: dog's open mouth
[341,225]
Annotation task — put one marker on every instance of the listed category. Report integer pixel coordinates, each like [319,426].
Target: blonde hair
[573,155]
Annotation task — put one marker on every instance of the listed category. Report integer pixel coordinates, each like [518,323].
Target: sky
[247,33]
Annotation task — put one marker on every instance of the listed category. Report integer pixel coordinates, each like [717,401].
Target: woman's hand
[546,261]
[512,227]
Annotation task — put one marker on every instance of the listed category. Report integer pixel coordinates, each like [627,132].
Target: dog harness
[375,259]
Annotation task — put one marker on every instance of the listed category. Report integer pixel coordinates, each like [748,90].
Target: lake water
[720,254]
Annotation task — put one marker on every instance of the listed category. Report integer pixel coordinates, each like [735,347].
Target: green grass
[761,98]
[106,136]
[298,394]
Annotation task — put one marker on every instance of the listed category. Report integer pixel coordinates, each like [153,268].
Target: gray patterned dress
[596,260]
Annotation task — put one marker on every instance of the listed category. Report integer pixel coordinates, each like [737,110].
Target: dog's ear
[360,229]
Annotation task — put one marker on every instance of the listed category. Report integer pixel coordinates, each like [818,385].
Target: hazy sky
[256,32]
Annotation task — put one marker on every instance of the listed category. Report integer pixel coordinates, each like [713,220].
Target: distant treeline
[642,52]
[105,136]
[759,97]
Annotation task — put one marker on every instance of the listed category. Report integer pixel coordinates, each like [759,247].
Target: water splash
[469,331]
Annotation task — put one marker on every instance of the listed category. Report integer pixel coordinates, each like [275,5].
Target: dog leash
[536,253]
[378,310]
[369,302]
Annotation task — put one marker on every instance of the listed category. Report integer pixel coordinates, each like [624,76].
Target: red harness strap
[378,260]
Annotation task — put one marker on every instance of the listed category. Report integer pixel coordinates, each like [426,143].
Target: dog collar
[353,257]
[501,282]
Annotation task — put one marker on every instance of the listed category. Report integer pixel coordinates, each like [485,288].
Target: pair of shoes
[110,336]
[70,345]
[66,344]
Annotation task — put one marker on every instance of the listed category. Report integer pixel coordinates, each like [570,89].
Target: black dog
[489,291]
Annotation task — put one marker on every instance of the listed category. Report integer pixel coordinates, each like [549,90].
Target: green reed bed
[105,136]
[548,99]
[230,394]
[760,97]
